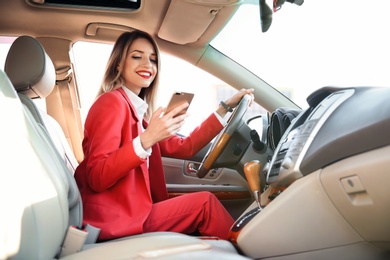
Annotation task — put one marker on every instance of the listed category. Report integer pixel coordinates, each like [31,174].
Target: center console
[284,168]
[327,182]
[285,165]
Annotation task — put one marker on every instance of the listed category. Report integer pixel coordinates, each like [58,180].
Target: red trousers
[200,211]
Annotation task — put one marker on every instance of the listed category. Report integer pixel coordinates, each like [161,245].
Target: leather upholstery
[33,201]
[29,67]
[33,76]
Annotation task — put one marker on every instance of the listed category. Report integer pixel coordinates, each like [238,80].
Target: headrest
[29,68]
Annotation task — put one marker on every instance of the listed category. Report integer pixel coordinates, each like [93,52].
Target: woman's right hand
[162,126]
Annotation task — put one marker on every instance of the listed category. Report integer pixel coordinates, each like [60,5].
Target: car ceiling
[174,23]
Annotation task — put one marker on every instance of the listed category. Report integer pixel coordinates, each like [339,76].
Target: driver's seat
[43,194]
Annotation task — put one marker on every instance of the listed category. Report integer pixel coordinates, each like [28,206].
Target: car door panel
[226,184]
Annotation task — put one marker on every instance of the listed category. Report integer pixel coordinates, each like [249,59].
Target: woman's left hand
[235,100]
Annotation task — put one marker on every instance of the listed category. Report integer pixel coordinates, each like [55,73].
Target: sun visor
[186,21]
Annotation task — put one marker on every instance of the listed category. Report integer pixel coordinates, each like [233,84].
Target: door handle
[192,167]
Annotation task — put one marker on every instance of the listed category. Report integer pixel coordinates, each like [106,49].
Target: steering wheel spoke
[224,137]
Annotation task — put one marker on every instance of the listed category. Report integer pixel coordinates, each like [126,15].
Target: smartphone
[177,99]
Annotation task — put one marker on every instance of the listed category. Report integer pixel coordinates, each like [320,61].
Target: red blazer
[116,186]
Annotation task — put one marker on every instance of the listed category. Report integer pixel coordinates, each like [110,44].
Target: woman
[121,178]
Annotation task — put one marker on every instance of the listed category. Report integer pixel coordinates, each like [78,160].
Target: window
[321,43]
[5,44]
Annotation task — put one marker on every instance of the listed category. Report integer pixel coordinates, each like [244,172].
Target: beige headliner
[190,25]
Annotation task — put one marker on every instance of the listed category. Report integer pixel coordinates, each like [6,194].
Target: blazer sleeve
[186,147]
[108,147]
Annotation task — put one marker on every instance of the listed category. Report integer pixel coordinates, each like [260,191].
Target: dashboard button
[287,163]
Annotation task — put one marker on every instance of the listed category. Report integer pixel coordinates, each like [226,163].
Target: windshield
[320,43]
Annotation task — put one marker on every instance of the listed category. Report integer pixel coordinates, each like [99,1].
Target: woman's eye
[153,60]
[136,57]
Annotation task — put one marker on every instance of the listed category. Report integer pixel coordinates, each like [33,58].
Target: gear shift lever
[252,171]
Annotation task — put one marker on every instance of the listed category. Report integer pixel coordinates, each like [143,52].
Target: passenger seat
[36,184]
[33,76]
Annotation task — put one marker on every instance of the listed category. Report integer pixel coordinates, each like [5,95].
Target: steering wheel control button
[237,150]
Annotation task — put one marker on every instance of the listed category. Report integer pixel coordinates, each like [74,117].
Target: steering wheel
[224,137]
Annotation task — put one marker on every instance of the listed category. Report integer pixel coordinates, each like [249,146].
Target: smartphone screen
[177,99]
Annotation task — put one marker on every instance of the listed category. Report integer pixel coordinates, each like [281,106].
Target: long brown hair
[113,75]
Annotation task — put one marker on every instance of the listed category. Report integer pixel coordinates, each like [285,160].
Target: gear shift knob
[252,174]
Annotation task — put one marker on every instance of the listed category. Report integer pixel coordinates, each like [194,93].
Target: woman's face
[140,67]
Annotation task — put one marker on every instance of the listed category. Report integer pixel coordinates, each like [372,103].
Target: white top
[140,107]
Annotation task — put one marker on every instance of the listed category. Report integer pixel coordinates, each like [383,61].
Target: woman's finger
[178,110]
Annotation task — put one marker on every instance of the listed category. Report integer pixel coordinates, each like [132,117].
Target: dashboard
[339,123]
[327,189]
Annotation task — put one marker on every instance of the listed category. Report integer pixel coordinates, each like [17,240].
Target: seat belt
[76,238]
[74,241]
[65,95]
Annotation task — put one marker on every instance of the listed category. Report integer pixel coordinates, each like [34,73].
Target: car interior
[301,181]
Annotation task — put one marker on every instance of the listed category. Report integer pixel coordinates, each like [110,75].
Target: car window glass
[5,44]
[320,43]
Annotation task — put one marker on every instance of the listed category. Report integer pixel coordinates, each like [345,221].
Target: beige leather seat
[33,76]
[36,189]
